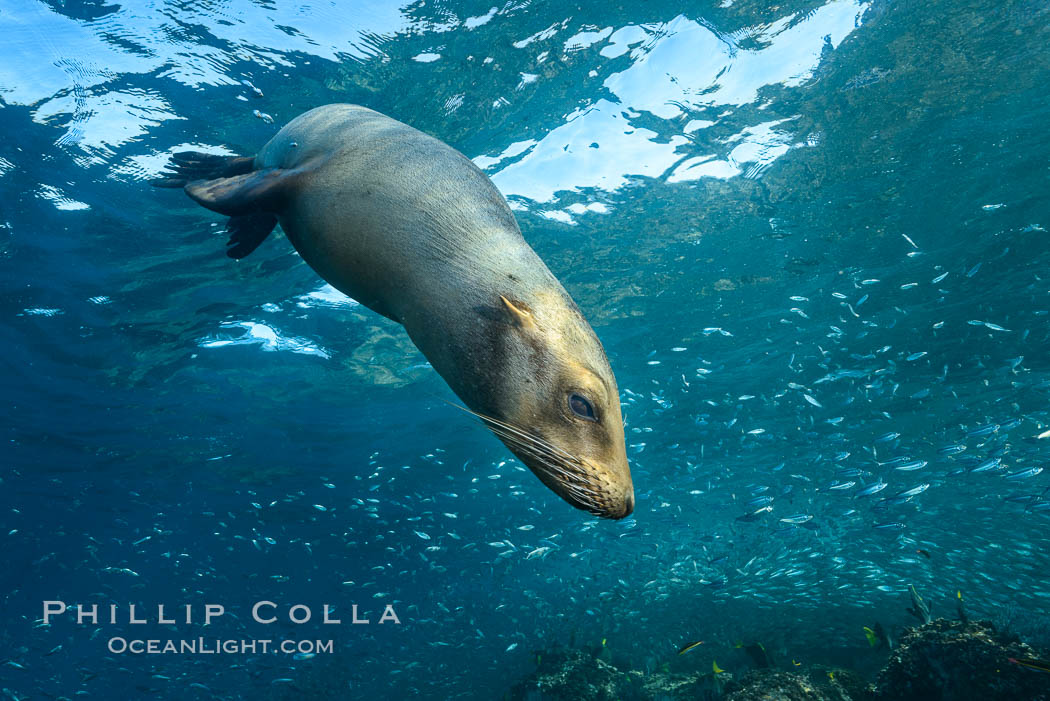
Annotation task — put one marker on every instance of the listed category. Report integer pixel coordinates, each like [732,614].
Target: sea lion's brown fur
[412,229]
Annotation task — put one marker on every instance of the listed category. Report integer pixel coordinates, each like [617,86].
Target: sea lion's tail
[187,166]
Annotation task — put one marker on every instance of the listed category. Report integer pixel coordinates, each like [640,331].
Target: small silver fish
[872,489]
[1024,474]
[988,465]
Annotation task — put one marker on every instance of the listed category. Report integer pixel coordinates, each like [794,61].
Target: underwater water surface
[811,235]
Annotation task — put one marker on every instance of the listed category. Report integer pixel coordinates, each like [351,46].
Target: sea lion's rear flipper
[258,191]
[247,232]
[230,185]
[251,200]
[187,166]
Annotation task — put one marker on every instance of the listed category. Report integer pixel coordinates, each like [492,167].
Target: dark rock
[817,685]
[664,686]
[580,675]
[957,661]
[573,674]
[843,684]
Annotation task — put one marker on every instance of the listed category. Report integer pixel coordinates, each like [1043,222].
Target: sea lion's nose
[628,504]
[626,509]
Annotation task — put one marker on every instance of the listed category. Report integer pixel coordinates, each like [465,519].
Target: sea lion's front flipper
[258,191]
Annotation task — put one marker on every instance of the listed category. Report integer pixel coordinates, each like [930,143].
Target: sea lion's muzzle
[600,491]
[604,506]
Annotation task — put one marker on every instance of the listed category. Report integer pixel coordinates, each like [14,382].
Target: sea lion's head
[556,404]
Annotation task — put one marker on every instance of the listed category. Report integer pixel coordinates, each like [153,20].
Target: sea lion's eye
[581,407]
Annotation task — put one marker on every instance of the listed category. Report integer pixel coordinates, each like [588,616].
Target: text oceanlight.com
[213,646]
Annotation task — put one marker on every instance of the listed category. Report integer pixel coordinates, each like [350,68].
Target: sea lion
[412,229]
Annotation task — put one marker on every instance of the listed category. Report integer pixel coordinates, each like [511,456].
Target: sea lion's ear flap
[517,314]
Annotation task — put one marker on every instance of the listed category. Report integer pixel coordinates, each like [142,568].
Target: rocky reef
[582,675]
[813,684]
[938,661]
[957,661]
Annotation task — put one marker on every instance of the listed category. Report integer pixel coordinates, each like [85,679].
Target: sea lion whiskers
[555,450]
[553,461]
[579,483]
[490,421]
[576,484]
[563,462]
[521,435]
[540,448]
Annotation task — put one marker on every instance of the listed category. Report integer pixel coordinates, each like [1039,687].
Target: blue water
[811,237]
